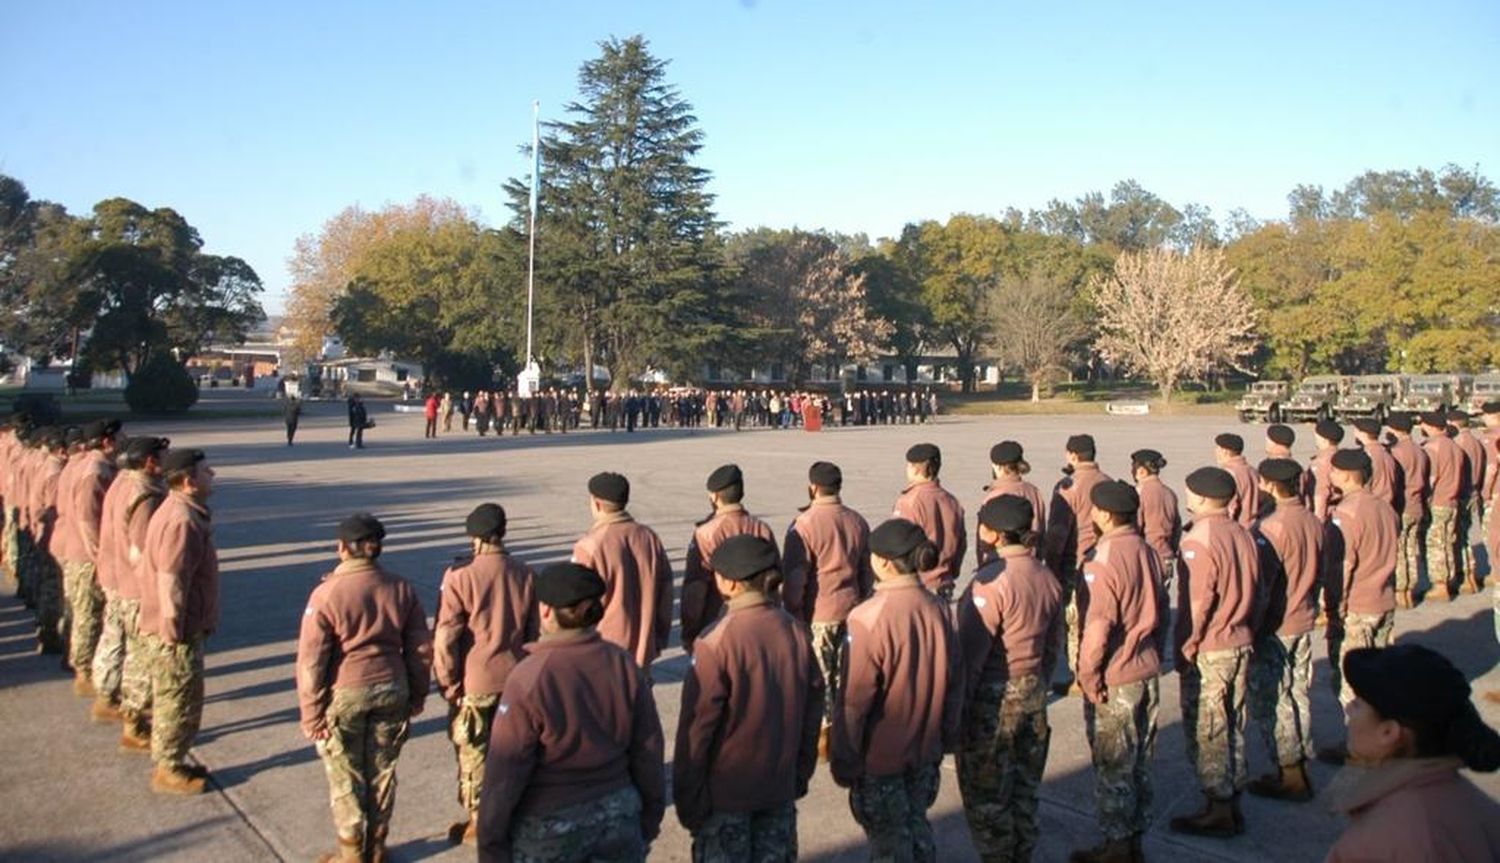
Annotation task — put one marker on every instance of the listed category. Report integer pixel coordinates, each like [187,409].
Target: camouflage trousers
[1442,541]
[10,549]
[1463,557]
[830,646]
[893,812]
[20,551]
[606,830]
[85,612]
[767,836]
[1213,720]
[46,578]
[176,696]
[1122,735]
[367,726]
[1495,601]
[1357,630]
[115,635]
[1071,630]
[1409,553]
[469,722]
[136,697]
[1006,738]
[1280,680]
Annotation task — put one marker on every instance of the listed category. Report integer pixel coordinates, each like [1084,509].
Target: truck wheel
[1275,415]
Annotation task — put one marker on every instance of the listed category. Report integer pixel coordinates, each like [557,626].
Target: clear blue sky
[258,121]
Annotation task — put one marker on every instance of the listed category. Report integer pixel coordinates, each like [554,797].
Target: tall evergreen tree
[628,252]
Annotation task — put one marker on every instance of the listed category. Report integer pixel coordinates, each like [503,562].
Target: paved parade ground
[67,793]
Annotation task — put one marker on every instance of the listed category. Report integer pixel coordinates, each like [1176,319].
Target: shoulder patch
[1088,577]
[308,612]
[980,602]
[504,706]
[1338,522]
[1188,554]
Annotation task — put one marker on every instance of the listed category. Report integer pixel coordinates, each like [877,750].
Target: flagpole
[536,170]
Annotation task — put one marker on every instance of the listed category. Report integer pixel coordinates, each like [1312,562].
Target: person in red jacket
[1411,726]
[430,411]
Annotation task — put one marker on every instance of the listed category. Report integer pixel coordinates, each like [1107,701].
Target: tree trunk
[588,358]
[1036,391]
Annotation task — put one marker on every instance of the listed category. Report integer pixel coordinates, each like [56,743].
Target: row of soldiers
[560,749]
[109,541]
[846,645]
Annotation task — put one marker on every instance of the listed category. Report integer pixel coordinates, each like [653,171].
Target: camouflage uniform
[1442,540]
[1122,735]
[1409,553]
[830,647]
[1072,628]
[86,617]
[109,652]
[1213,720]
[768,836]
[177,695]
[1280,678]
[1006,737]
[136,696]
[606,830]
[25,573]
[367,726]
[469,722]
[1358,630]
[893,812]
[1463,555]
[10,548]
[47,583]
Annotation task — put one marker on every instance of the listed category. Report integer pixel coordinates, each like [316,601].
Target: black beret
[1081,444]
[1408,683]
[1367,426]
[612,487]
[1280,470]
[101,429]
[1115,497]
[357,527]
[923,452]
[1006,452]
[1401,422]
[564,585]
[1006,513]
[825,474]
[140,448]
[725,476]
[743,556]
[487,520]
[1232,442]
[1329,430]
[1148,457]
[1458,416]
[896,538]
[1281,434]
[1490,408]
[72,435]
[1351,459]
[1214,483]
[182,459]
[1436,419]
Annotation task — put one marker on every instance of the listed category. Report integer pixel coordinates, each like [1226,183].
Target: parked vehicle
[1370,396]
[1433,393]
[1486,388]
[1315,398]
[1263,402]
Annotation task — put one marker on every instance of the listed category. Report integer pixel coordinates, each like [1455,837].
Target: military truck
[1315,398]
[1263,402]
[1432,393]
[1486,389]
[1370,397]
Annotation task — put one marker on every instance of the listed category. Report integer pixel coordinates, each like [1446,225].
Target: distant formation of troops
[847,644]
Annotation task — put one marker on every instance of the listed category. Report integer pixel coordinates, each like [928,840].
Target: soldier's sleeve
[514,751]
[1100,618]
[812,716]
[1349,530]
[647,759]
[863,687]
[1200,596]
[978,623]
[696,582]
[960,539]
[90,511]
[1060,526]
[315,648]
[955,694]
[448,638]
[705,693]
[663,610]
[416,642]
[533,626]
[172,563]
[797,592]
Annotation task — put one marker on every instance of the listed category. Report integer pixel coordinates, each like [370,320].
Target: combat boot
[1216,821]
[1438,593]
[82,686]
[1470,586]
[348,852]
[465,832]
[1289,783]
[176,780]
[824,743]
[135,736]
[1110,851]
[104,712]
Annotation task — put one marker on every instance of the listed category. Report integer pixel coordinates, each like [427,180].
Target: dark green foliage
[161,386]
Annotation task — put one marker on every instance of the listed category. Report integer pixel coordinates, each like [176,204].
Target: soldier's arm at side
[171,559]
[663,610]
[647,760]
[863,685]
[812,718]
[1098,622]
[514,752]
[315,646]
[696,582]
[447,639]
[87,518]
[1350,533]
[794,563]
[1060,527]
[704,694]
[955,693]
[416,641]
[1200,595]
[978,623]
